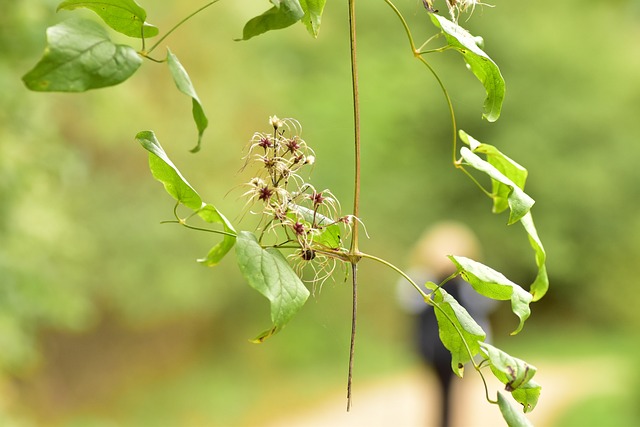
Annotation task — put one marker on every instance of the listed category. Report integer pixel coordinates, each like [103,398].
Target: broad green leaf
[80,56]
[515,374]
[541,284]
[284,14]
[509,168]
[481,65]
[211,215]
[183,82]
[519,202]
[124,16]
[511,415]
[312,15]
[268,272]
[329,236]
[495,285]
[459,333]
[166,172]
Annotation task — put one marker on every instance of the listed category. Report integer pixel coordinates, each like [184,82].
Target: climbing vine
[302,225]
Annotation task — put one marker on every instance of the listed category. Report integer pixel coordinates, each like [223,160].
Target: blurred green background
[107,320]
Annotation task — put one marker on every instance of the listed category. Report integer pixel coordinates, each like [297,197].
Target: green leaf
[515,374]
[211,215]
[124,16]
[512,416]
[177,186]
[541,283]
[284,14]
[329,236]
[459,333]
[495,285]
[166,172]
[183,82]
[519,202]
[481,65]
[527,395]
[509,168]
[501,191]
[268,272]
[312,15]
[80,56]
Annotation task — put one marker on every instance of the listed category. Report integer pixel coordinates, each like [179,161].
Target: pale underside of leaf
[125,16]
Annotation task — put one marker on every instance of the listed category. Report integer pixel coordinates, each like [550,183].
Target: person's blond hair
[442,239]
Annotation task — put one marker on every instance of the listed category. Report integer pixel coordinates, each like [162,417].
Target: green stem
[428,299]
[356,121]
[191,227]
[400,272]
[445,92]
[179,24]
[416,53]
[352,343]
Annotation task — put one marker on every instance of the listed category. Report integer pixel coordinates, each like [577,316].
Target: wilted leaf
[495,285]
[519,202]
[506,166]
[481,65]
[183,82]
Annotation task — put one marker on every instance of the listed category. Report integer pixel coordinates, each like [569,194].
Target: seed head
[265,193]
[276,122]
[298,227]
[317,198]
[265,142]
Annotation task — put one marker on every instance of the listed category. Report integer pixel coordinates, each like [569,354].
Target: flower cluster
[292,209]
[459,6]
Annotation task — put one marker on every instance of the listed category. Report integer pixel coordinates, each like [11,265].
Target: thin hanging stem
[352,346]
[354,253]
[179,24]
[356,121]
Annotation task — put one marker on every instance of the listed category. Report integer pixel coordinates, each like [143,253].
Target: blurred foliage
[79,213]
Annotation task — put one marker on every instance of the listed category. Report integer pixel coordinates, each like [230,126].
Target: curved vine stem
[191,227]
[179,24]
[417,54]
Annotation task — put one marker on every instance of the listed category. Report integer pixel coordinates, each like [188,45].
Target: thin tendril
[175,27]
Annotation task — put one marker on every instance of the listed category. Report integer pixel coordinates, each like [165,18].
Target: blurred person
[428,261]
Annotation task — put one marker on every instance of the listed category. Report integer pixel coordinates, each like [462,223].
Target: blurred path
[409,400]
